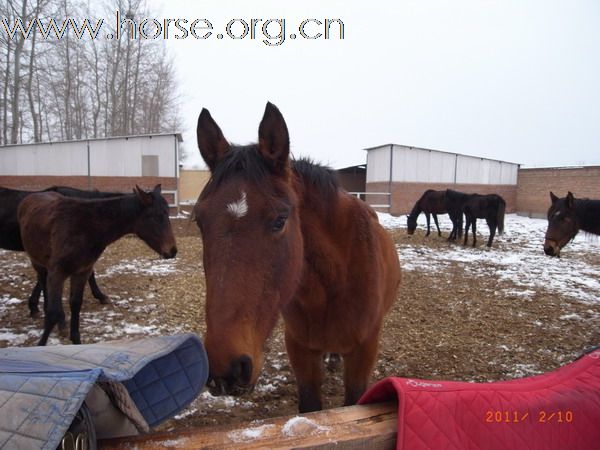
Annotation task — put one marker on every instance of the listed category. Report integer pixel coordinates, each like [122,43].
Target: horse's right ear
[211,142]
[553,197]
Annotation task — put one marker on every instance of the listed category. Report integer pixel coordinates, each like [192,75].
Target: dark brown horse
[455,201]
[65,236]
[10,234]
[282,236]
[566,216]
[490,207]
[431,203]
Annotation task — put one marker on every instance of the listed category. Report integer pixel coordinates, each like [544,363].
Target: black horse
[566,216]
[10,234]
[455,201]
[490,207]
[431,203]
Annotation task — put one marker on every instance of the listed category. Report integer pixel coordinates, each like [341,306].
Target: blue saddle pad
[42,388]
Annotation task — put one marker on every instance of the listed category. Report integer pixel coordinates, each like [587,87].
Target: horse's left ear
[570,200]
[157,189]
[144,197]
[274,139]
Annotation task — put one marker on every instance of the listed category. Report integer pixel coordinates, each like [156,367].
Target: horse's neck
[115,218]
[416,210]
[588,215]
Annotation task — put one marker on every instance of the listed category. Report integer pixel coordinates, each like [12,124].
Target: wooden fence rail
[353,427]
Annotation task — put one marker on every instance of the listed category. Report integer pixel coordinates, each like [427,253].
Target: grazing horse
[281,236]
[431,202]
[10,235]
[566,216]
[490,207]
[454,201]
[64,237]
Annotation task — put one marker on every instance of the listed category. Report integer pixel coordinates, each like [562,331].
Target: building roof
[439,151]
[177,135]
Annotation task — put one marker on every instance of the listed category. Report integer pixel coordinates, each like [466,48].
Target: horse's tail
[500,215]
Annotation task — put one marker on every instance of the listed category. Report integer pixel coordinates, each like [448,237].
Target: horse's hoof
[34,314]
[105,300]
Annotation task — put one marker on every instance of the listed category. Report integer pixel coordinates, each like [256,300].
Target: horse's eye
[279,223]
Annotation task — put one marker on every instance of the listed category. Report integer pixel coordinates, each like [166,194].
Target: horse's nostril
[241,370]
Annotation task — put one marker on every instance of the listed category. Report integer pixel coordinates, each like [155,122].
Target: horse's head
[411,225]
[252,243]
[153,225]
[562,224]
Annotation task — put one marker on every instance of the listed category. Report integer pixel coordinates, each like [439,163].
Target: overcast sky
[515,80]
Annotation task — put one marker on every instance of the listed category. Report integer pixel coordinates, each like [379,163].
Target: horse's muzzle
[551,249]
[170,253]
[236,382]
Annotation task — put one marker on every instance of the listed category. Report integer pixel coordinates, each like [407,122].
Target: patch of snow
[248,434]
[177,443]
[301,426]
[12,338]
[134,328]
[570,317]
[157,267]
[186,413]
[527,267]
[523,370]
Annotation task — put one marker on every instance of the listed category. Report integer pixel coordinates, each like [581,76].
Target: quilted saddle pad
[556,410]
[42,388]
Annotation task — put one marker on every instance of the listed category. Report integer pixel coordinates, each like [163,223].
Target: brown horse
[65,236]
[490,207]
[431,203]
[566,216]
[281,236]
[10,234]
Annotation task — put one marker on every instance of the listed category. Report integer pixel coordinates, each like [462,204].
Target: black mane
[241,160]
[246,162]
[321,177]
[588,214]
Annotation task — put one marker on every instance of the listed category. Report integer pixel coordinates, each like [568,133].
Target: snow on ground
[141,266]
[516,256]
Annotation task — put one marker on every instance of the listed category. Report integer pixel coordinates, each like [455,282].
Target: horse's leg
[308,369]
[435,219]
[460,225]
[452,235]
[492,226]
[474,230]
[34,298]
[428,225]
[96,292]
[53,310]
[357,369]
[75,301]
[467,224]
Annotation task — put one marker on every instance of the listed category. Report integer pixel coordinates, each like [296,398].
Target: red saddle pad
[556,410]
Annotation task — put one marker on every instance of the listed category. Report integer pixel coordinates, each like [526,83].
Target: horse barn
[397,176]
[106,164]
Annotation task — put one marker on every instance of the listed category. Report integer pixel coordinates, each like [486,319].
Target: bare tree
[77,87]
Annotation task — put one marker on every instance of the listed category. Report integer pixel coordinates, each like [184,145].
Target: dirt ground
[444,325]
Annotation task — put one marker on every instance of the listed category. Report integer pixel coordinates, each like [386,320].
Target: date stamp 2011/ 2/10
[514,416]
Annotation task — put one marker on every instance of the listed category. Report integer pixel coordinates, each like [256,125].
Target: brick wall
[534,186]
[404,195]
